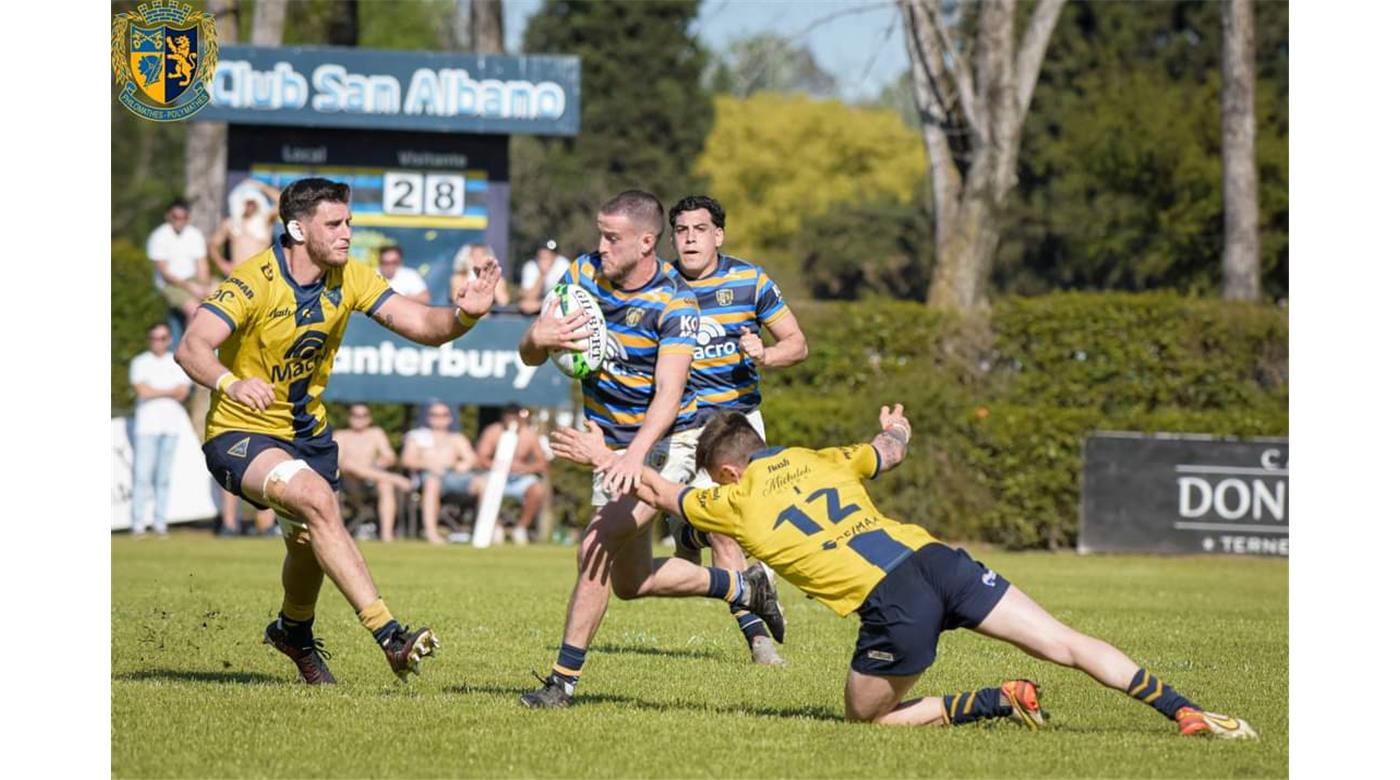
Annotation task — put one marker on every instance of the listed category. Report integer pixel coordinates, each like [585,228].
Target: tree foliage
[770,63]
[774,160]
[1120,175]
[644,115]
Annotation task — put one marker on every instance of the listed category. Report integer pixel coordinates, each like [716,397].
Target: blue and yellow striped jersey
[737,295]
[806,514]
[658,318]
[286,335]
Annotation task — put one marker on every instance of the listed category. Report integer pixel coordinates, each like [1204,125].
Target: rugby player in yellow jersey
[736,298]
[264,341]
[806,513]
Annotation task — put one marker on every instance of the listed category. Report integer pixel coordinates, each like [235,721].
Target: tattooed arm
[893,440]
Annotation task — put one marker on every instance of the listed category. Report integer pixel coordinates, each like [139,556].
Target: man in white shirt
[539,275]
[178,251]
[404,281]
[161,386]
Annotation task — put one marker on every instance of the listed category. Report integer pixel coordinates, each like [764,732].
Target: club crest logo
[724,297]
[163,56]
[267,271]
[634,316]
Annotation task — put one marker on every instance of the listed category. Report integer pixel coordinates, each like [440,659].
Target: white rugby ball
[572,298]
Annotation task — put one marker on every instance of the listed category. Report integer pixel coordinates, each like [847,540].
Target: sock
[692,538]
[299,631]
[971,706]
[569,666]
[378,621]
[748,622]
[1148,689]
[727,585]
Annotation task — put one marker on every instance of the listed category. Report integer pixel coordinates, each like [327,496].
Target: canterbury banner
[1177,493]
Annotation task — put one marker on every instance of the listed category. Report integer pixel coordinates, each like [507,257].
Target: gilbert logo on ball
[572,298]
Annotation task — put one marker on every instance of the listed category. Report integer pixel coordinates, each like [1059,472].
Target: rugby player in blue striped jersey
[641,399]
[736,298]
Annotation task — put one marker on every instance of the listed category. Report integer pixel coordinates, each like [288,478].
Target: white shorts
[673,456]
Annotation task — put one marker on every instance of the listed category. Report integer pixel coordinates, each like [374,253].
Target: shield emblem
[634,316]
[164,60]
[724,297]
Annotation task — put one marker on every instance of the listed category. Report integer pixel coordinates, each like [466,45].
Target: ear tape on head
[294,230]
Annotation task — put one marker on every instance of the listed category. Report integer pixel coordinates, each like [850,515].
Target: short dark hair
[178,203]
[512,408]
[391,248]
[155,325]
[727,438]
[695,203]
[641,207]
[300,199]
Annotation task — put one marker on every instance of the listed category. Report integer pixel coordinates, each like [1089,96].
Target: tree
[644,115]
[770,63]
[770,184]
[488,27]
[1241,179]
[206,143]
[269,19]
[971,117]
[1119,180]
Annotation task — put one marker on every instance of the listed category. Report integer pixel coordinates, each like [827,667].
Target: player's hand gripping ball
[576,364]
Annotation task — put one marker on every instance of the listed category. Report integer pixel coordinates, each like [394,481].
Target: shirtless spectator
[446,463]
[365,460]
[248,228]
[468,260]
[526,481]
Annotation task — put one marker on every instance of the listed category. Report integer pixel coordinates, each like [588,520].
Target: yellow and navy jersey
[286,335]
[737,295]
[657,318]
[806,514]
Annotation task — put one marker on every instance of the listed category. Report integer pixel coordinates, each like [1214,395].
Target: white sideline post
[490,505]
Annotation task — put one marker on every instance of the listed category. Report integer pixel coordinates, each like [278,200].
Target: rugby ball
[572,298]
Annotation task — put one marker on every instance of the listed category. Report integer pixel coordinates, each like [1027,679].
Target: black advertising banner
[1179,493]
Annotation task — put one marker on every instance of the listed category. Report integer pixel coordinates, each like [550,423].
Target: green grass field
[668,691]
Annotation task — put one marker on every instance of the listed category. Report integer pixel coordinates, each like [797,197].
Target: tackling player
[646,409]
[276,323]
[807,514]
[735,297]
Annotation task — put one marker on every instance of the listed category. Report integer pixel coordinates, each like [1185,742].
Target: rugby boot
[406,648]
[765,653]
[554,693]
[310,659]
[1191,722]
[763,599]
[1024,698]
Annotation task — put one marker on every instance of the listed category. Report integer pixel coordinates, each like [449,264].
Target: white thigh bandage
[283,472]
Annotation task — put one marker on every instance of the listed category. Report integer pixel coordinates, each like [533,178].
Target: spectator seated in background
[161,386]
[252,208]
[404,281]
[445,462]
[178,250]
[469,260]
[527,469]
[365,460]
[539,275]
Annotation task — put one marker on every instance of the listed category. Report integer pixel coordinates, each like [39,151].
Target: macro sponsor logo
[302,358]
[710,340]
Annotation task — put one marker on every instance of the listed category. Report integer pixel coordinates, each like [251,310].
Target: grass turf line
[667,690]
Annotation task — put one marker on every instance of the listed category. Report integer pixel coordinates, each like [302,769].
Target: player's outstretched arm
[434,325]
[892,442]
[589,449]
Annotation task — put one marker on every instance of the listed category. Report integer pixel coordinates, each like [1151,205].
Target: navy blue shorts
[936,589]
[228,455]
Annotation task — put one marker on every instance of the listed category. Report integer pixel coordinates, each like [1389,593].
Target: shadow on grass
[813,712]
[661,651]
[224,678]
